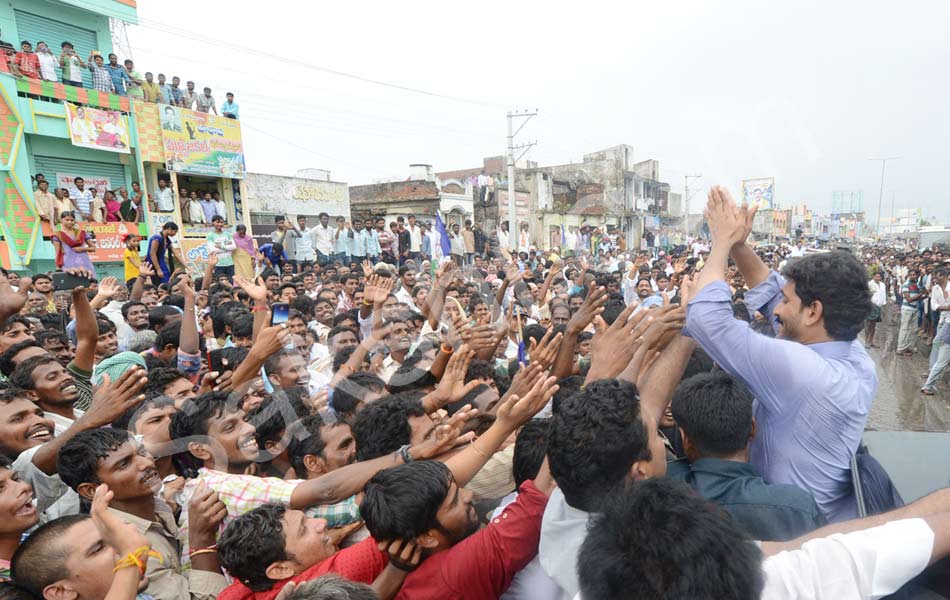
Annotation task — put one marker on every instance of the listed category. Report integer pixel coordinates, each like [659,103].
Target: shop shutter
[49,166]
[35,28]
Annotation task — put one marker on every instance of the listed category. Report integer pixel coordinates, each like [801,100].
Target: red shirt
[480,567]
[361,562]
[29,64]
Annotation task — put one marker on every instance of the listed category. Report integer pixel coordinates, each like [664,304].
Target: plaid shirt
[101,79]
[243,493]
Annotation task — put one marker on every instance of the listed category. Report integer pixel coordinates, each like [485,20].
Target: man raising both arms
[815,383]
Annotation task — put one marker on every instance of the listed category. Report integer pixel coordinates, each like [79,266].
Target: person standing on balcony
[188,96]
[120,77]
[45,203]
[205,102]
[82,198]
[136,90]
[166,95]
[150,89]
[101,78]
[27,61]
[164,197]
[176,92]
[48,62]
[230,108]
[72,65]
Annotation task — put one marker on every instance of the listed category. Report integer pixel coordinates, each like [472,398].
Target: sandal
[927,392]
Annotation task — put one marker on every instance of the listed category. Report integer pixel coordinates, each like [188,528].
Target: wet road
[899,405]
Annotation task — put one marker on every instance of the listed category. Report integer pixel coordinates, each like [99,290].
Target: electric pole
[686,196]
[880,199]
[893,196]
[514,230]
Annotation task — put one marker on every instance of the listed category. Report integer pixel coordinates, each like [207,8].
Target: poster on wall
[759,192]
[65,180]
[109,244]
[97,129]
[201,144]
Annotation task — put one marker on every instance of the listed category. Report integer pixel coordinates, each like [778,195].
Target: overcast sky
[803,91]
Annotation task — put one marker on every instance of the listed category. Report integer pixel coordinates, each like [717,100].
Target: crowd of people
[361,420]
[108,75]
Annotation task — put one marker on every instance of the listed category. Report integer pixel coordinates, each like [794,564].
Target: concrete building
[904,221]
[309,193]
[64,132]
[423,194]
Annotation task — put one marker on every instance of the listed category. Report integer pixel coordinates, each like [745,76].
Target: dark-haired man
[112,457]
[216,435]
[660,527]
[325,447]
[814,384]
[714,415]
[602,439]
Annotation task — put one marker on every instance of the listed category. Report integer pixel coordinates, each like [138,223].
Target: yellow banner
[97,129]
[201,144]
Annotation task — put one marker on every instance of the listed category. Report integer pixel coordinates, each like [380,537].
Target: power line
[205,39]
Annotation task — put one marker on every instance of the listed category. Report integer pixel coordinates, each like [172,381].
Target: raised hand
[367,268]
[257,291]
[111,400]
[116,533]
[205,513]
[545,351]
[146,270]
[12,302]
[612,350]
[592,307]
[515,411]
[452,386]
[108,287]
[445,273]
[377,288]
[726,221]
[512,273]
[446,436]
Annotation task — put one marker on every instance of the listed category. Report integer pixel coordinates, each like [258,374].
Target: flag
[444,242]
[563,238]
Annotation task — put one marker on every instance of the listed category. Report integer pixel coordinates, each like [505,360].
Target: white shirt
[323,238]
[854,566]
[531,582]
[939,296]
[304,248]
[164,200]
[503,238]
[48,65]
[415,238]
[878,293]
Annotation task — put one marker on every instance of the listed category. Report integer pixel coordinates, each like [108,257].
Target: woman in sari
[113,207]
[72,245]
[244,254]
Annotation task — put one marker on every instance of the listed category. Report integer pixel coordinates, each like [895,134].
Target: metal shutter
[50,166]
[35,28]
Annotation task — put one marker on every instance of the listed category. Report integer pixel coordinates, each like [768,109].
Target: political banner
[65,180]
[109,244]
[201,144]
[97,129]
[759,192]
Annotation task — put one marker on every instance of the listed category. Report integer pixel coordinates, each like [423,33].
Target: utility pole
[893,195]
[686,178]
[514,230]
[880,199]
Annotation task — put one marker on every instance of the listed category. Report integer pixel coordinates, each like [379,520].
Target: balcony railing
[68,93]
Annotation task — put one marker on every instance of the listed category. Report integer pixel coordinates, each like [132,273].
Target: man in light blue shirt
[372,241]
[815,383]
[357,243]
[229,109]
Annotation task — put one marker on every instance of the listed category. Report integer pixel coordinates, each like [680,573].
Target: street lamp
[880,199]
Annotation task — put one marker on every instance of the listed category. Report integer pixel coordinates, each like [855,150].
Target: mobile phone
[280,313]
[68,281]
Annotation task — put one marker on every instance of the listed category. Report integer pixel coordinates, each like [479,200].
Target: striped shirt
[101,78]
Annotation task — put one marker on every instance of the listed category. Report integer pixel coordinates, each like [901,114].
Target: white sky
[803,91]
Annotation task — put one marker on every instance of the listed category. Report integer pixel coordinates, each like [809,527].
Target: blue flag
[443,236]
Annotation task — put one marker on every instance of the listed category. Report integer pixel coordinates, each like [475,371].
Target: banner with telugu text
[97,129]
[201,144]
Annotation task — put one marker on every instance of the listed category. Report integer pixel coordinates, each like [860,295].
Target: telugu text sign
[295,195]
[97,129]
[201,144]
